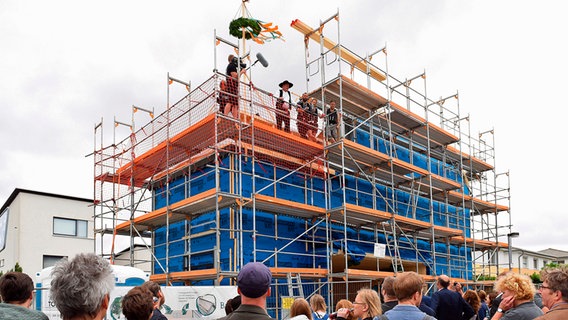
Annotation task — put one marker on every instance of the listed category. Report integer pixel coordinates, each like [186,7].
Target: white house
[141,257]
[38,228]
[532,261]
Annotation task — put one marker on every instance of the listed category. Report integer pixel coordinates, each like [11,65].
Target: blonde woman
[366,306]
[518,292]
[319,307]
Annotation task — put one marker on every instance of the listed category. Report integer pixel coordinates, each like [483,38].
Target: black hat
[254,279]
[290,84]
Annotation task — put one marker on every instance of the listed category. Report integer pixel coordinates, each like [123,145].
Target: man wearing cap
[283,104]
[253,284]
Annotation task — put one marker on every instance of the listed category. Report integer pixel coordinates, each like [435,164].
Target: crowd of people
[306,108]
[81,287]
[403,297]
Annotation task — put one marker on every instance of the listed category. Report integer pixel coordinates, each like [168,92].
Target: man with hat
[283,104]
[253,284]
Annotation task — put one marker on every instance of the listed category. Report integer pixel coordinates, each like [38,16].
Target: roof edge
[17,191]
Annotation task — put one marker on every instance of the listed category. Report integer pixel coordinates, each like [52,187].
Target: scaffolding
[206,193]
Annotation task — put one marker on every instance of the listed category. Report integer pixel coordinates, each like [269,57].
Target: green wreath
[251,26]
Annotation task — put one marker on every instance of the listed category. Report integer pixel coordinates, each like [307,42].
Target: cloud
[67,64]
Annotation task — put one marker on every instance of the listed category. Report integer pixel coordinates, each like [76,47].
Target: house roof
[555,252]
[17,191]
[127,249]
[533,253]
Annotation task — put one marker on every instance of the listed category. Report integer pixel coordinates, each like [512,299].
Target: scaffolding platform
[215,192]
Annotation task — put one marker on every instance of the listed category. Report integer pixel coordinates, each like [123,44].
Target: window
[70,227]
[525,262]
[3,228]
[535,263]
[49,261]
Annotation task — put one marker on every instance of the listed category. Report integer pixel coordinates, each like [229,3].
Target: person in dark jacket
[389,297]
[253,285]
[449,305]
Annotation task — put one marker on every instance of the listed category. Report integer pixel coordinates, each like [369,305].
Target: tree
[535,277]
[551,265]
[17,268]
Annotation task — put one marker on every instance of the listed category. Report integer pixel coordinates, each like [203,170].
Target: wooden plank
[478,243]
[277,205]
[157,217]
[419,125]
[480,206]
[150,157]
[411,223]
[446,231]
[303,272]
[469,161]
[366,274]
[346,55]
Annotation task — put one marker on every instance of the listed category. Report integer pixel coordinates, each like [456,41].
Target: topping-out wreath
[251,27]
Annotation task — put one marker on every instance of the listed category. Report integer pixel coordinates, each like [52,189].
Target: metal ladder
[392,247]
[295,285]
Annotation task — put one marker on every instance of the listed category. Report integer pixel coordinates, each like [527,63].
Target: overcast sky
[64,65]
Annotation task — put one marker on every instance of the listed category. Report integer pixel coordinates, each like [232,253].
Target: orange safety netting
[202,126]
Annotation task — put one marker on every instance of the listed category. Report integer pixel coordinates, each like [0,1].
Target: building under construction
[407,187]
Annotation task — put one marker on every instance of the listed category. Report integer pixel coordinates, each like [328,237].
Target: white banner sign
[206,302]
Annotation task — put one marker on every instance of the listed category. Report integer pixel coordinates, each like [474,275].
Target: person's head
[231,58]
[482,295]
[137,304]
[317,303]
[499,276]
[286,85]
[305,96]
[344,303]
[554,288]
[472,299]
[408,288]
[424,288]
[157,294]
[80,287]
[518,285]
[17,288]
[457,286]
[300,306]
[332,104]
[253,283]
[366,304]
[387,288]
[443,282]
[228,306]
[491,296]
[235,303]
